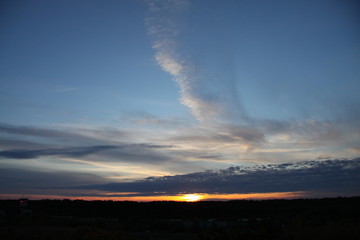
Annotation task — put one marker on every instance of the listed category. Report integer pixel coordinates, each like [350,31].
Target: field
[332,218]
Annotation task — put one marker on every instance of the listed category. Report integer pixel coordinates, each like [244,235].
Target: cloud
[69,136]
[6,143]
[269,140]
[111,145]
[31,131]
[67,152]
[336,176]
[316,178]
[189,149]
[144,118]
[145,153]
[31,181]
[211,157]
[163,24]
[221,136]
[213,99]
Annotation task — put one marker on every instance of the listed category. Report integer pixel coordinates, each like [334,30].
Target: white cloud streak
[163,27]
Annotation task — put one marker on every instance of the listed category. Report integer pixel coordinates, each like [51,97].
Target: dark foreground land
[336,218]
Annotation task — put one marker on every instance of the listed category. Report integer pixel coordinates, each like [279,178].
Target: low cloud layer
[329,178]
[41,181]
[340,177]
[193,148]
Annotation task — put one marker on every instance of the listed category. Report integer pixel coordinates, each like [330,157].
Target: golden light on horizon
[183,198]
[191,197]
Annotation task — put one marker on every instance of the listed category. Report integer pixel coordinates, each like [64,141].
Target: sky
[158,99]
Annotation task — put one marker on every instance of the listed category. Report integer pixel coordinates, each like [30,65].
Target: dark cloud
[89,144]
[317,178]
[16,180]
[33,131]
[122,153]
[148,145]
[78,136]
[68,152]
[337,176]
[214,157]
[6,143]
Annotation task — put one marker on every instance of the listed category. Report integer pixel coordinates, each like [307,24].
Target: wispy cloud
[196,93]
[222,117]
[68,152]
[219,111]
[148,119]
[88,144]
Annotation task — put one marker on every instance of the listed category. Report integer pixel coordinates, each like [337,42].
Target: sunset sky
[155,99]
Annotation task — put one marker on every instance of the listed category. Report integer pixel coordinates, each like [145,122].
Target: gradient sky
[103,99]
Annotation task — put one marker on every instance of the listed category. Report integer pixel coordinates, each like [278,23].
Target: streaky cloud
[120,153]
[163,27]
[65,135]
[68,152]
[95,145]
[144,118]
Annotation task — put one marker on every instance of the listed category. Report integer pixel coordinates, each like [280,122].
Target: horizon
[179,201]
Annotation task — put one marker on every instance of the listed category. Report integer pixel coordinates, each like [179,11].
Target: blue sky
[117,91]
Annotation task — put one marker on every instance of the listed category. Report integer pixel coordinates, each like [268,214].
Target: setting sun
[191,197]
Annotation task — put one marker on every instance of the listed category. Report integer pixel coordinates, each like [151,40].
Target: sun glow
[132,196]
[191,197]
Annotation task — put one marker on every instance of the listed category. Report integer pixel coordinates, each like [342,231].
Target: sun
[191,197]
